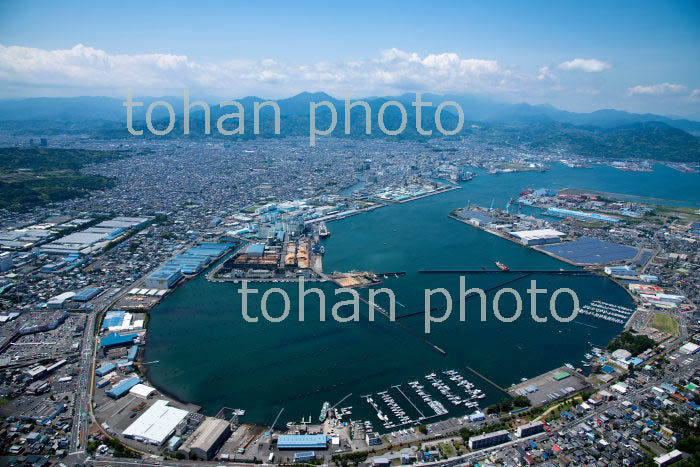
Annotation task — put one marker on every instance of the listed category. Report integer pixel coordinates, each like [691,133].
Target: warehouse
[256,249]
[59,301]
[163,278]
[302,442]
[87,294]
[106,368]
[116,340]
[207,438]
[538,237]
[589,216]
[123,387]
[141,390]
[113,320]
[156,424]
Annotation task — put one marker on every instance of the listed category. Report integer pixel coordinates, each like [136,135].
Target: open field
[664,323]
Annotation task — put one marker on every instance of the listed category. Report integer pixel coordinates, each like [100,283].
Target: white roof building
[142,390]
[156,424]
[690,348]
[59,300]
[540,236]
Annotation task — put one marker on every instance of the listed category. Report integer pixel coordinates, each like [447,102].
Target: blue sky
[641,56]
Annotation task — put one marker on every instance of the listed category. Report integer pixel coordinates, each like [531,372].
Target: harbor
[334,359]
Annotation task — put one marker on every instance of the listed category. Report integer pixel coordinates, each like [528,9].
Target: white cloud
[86,70]
[695,95]
[589,65]
[663,89]
[545,73]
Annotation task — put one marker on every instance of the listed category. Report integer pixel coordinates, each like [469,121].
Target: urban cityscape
[210,299]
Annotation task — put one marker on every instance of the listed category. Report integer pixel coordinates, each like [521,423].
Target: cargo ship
[324,412]
[323,231]
[502,266]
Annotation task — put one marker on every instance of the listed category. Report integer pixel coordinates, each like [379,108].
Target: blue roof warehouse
[302,442]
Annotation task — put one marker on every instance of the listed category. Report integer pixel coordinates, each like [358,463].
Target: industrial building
[302,442]
[141,390]
[529,429]
[87,294]
[105,369]
[620,271]
[538,237]
[489,439]
[305,456]
[123,387]
[119,320]
[207,438]
[589,216]
[94,238]
[163,278]
[156,424]
[59,301]
[115,340]
[256,249]
[190,262]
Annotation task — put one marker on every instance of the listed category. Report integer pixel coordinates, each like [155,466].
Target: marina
[458,392]
[607,312]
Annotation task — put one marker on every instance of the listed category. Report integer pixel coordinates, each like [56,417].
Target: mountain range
[606,133]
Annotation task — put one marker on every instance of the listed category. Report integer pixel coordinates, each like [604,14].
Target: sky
[640,56]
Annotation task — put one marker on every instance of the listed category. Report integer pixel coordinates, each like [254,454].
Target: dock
[486,379]
[398,388]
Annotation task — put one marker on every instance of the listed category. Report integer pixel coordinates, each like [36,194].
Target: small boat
[502,266]
[483,268]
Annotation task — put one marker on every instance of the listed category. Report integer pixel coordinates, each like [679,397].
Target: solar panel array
[591,251]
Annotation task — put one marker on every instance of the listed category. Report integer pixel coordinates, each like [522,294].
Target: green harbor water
[207,354]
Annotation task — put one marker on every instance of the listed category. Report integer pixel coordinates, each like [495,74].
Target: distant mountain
[645,140]
[605,133]
[80,109]
[475,108]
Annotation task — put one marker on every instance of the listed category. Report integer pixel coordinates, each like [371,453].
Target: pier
[486,379]
[398,388]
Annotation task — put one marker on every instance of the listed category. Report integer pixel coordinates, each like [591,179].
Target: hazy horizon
[641,58]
